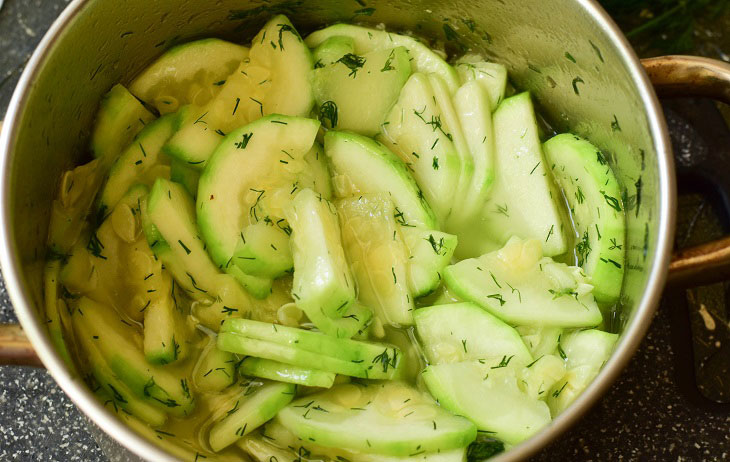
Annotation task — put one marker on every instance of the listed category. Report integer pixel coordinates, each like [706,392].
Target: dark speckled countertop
[649,414]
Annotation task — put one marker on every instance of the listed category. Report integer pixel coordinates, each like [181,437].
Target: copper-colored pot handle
[693,76]
[689,76]
[15,348]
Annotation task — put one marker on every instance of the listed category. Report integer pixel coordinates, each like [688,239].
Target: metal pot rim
[86,401]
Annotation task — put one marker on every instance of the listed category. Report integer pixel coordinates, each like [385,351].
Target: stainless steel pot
[581,70]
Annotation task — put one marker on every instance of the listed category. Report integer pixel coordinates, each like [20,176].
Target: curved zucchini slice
[363,166]
[475,116]
[277,437]
[279,47]
[356,92]
[492,77]
[215,369]
[322,278]
[250,411]
[377,256]
[121,348]
[332,49]
[264,251]
[353,322]
[464,331]
[367,40]
[120,117]
[165,329]
[541,340]
[521,288]
[316,176]
[56,320]
[141,162]
[274,79]
[594,197]
[585,354]
[388,418]
[524,201]
[169,224]
[273,370]
[451,123]
[488,394]
[417,130]
[186,176]
[429,253]
[189,73]
[118,390]
[309,349]
[250,165]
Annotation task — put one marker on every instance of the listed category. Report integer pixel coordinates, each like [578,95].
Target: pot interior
[576,72]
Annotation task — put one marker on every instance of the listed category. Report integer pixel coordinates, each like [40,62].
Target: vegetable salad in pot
[338,248]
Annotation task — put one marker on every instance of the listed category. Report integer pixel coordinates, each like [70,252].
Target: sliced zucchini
[388,418]
[196,139]
[279,48]
[261,449]
[121,346]
[251,410]
[322,278]
[492,77]
[280,372]
[243,172]
[215,369]
[189,73]
[186,176]
[540,340]
[316,176]
[451,123]
[277,436]
[118,390]
[120,117]
[539,377]
[367,40]
[464,331]
[55,324]
[488,394]
[263,251]
[377,256]
[363,166]
[594,198]
[383,366]
[417,130]
[331,50]
[524,201]
[429,253]
[475,117]
[353,322]
[309,349]
[585,354]
[315,342]
[356,92]
[174,238]
[521,288]
[273,80]
[165,331]
[140,163]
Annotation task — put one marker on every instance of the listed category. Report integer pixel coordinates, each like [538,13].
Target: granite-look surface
[643,417]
